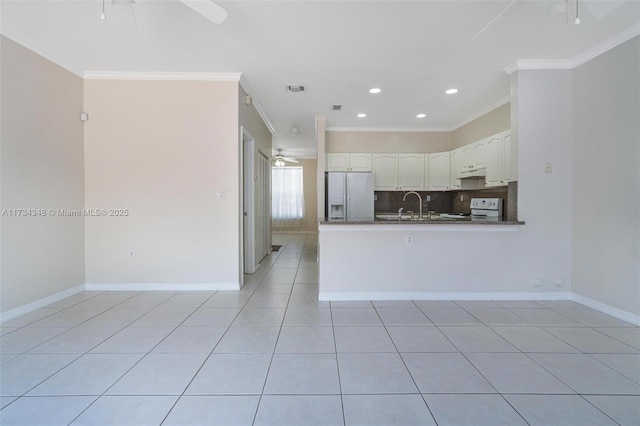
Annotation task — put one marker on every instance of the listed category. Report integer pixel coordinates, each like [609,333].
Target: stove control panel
[486,203]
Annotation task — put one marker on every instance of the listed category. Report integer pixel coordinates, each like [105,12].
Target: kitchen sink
[393,216]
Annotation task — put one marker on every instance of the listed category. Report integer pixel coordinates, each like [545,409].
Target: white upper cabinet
[507,170]
[411,172]
[385,170]
[478,154]
[337,162]
[399,172]
[459,169]
[498,160]
[438,171]
[456,161]
[348,162]
[360,162]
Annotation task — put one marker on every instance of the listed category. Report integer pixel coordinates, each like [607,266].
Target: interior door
[263,204]
[248,205]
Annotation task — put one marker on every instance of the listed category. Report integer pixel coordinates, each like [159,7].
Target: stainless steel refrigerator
[349,196]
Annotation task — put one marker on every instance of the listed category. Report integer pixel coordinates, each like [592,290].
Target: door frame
[247,210]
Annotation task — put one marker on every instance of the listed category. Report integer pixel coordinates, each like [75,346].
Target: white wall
[606,176]
[543,133]
[41,158]
[164,150]
[484,260]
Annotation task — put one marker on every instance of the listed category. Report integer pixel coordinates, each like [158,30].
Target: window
[287,205]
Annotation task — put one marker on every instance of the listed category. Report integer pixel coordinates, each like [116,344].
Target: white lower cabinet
[438,171]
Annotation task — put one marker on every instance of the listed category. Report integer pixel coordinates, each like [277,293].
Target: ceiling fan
[206,8]
[570,8]
[279,159]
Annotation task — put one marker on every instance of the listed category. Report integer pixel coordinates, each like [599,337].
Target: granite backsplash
[449,202]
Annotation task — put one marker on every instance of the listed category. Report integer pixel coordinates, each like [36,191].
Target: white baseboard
[607,309]
[443,296]
[324,296]
[40,303]
[162,286]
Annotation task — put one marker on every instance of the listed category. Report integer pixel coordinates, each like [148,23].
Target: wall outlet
[221,195]
[428,197]
[132,254]
[548,168]
[408,240]
[375,197]
[461,197]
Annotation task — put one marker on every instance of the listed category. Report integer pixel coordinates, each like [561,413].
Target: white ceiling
[412,50]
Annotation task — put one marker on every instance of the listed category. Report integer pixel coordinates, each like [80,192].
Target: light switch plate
[548,168]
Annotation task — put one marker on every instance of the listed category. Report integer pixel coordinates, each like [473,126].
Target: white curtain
[287,193]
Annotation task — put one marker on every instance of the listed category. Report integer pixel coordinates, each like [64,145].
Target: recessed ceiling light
[362,115]
[375,90]
[451,91]
[421,115]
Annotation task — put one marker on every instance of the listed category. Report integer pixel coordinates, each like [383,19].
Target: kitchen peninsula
[434,259]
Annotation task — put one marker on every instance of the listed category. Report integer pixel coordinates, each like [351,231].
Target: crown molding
[538,64]
[247,88]
[39,50]
[614,41]
[569,64]
[164,76]
[388,129]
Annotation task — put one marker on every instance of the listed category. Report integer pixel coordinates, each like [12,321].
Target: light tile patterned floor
[271,354]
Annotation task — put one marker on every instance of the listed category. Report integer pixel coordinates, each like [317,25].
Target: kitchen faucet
[419,198]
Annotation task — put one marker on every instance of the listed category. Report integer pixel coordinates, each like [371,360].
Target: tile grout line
[403,360]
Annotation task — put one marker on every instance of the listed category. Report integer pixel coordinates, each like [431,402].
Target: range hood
[474,171]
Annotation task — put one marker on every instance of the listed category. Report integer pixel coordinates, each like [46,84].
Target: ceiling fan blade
[291,160]
[509,10]
[602,8]
[208,9]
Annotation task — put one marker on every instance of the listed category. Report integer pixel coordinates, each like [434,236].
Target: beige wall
[310,182]
[409,142]
[321,138]
[253,123]
[41,159]
[167,151]
[489,124]
[606,177]
[310,193]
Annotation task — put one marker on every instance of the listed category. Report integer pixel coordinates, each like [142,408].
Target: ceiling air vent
[336,107]
[295,88]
